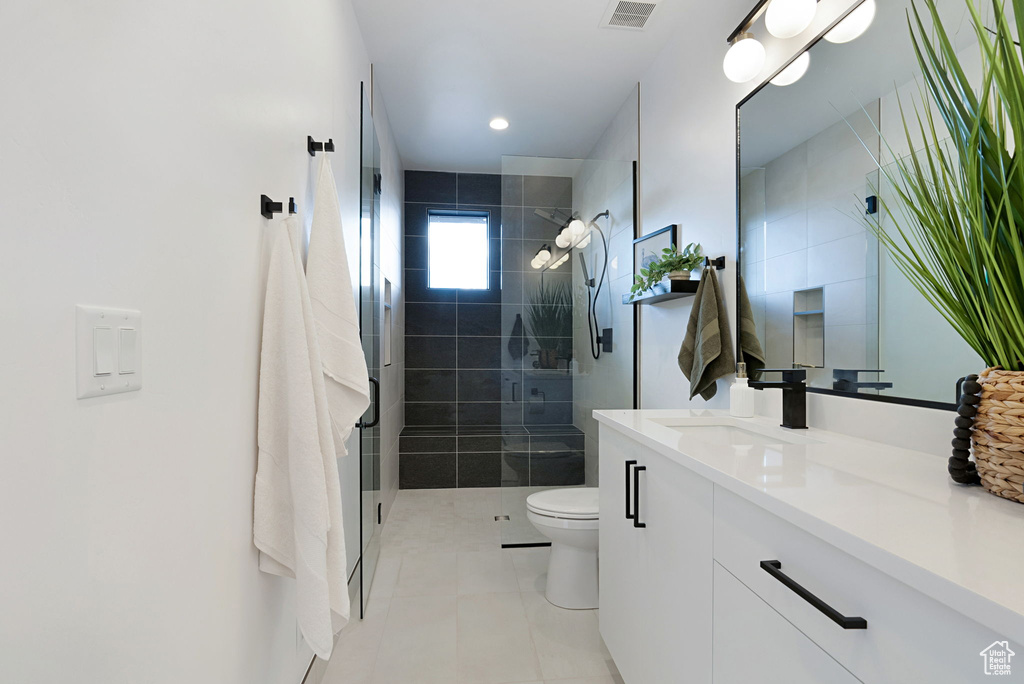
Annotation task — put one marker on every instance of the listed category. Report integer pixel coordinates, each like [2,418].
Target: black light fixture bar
[748,21]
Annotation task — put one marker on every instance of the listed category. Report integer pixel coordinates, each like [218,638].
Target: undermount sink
[731,432]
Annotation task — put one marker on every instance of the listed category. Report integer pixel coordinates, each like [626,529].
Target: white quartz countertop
[894,509]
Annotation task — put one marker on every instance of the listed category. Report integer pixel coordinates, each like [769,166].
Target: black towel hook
[312,146]
[718,263]
[292,208]
[269,207]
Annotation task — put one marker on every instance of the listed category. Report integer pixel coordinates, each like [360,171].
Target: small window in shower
[457,251]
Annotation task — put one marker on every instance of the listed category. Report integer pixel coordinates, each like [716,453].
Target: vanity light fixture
[789,18]
[854,25]
[794,72]
[744,59]
[783,19]
[499,123]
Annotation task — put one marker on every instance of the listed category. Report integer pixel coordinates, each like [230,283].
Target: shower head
[552,216]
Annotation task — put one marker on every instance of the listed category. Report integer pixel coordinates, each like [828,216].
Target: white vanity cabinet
[909,636]
[706,579]
[753,643]
[656,568]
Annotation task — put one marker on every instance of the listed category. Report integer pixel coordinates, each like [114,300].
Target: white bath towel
[335,312]
[297,524]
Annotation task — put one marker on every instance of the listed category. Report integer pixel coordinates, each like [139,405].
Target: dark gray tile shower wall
[477,414]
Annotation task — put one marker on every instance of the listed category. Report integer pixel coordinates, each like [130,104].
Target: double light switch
[108,351]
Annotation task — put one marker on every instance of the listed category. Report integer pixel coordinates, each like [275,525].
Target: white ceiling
[445,68]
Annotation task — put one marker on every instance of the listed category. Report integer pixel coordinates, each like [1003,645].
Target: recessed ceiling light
[499,124]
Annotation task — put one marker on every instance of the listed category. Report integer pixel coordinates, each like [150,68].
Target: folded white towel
[297,522]
[335,312]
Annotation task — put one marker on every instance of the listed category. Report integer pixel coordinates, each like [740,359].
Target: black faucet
[794,395]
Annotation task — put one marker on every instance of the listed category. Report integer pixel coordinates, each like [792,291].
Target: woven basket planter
[998,434]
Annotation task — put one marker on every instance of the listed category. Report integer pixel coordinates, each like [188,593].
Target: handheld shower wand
[603,340]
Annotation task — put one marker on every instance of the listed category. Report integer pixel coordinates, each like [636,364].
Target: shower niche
[809,328]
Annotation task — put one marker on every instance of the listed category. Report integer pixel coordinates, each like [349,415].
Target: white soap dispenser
[741,395]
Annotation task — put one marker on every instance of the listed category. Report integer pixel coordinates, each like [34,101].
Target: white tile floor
[448,605]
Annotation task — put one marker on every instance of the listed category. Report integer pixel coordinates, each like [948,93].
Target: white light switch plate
[109,354]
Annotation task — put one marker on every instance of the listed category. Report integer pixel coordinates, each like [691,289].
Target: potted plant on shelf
[549,317]
[673,263]
[957,232]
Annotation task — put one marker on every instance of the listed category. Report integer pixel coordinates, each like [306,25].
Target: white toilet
[568,517]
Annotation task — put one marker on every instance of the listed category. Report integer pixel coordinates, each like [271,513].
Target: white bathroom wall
[605,182]
[131,170]
[688,172]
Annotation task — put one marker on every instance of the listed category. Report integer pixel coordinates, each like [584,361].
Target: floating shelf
[816,312]
[662,292]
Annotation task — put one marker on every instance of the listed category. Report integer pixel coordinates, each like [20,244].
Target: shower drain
[499,518]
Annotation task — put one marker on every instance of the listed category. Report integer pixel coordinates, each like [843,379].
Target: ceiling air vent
[625,14]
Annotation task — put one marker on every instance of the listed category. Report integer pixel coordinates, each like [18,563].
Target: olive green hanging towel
[707,354]
[751,352]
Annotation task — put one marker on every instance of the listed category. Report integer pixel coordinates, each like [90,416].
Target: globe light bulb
[564,239]
[584,242]
[576,228]
[544,254]
[794,72]
[788,18]
[854,25]
[744,59]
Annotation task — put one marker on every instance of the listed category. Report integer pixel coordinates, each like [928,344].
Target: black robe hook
[312,146]
[269,207]
[292,209]
[718,263]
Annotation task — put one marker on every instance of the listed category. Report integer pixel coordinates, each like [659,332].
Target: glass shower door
[370,316]
[569,262]
[541,446]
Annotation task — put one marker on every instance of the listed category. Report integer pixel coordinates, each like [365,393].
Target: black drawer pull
[629,506]
[636,496]
[774,568]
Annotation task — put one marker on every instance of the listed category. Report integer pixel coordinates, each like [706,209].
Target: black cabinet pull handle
[636,496]
[774,568]
[376,405]
[629,506]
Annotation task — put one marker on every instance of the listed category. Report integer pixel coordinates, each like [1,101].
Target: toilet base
[572,577]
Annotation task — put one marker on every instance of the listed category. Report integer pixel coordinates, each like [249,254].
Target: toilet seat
[576,503]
